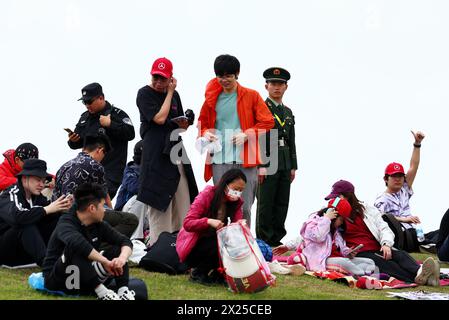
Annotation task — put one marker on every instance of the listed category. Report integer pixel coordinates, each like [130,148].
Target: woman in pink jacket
[323,247]
[197,240]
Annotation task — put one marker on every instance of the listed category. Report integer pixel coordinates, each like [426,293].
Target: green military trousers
[273,196]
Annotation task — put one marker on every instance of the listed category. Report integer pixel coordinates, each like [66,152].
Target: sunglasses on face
[90,101]
[158,78]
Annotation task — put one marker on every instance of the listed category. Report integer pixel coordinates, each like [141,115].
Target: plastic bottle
[419,232]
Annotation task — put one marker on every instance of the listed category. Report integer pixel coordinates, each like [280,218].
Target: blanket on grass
[365,282]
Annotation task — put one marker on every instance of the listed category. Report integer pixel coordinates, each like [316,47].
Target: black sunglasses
[90,101]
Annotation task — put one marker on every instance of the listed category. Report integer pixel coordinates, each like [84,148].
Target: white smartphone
[180,119]
[360,246]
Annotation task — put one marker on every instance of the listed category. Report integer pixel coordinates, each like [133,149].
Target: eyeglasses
[90,101]
[226,76]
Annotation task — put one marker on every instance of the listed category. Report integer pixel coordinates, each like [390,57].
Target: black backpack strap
[411,240]
[396,227]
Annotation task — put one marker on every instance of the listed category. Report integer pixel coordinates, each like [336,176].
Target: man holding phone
[167,185]
[104,118]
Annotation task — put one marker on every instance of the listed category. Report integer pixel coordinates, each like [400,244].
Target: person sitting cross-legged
[73,250]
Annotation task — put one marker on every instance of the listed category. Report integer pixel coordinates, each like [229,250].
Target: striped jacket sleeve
[14,213]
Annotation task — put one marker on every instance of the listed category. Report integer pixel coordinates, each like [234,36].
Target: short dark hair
[226,64]
[97,141]
[87,194]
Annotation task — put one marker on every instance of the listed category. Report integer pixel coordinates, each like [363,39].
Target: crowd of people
[68,219]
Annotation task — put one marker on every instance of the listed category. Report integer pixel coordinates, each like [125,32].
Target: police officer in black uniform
[102,117]
[274,187]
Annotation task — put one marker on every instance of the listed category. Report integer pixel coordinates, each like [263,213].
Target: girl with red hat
[323,247]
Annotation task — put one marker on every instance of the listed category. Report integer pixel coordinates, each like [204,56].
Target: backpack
[162,256]
[404,239]
[242,261]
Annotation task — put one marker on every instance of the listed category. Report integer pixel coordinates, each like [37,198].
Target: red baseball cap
[162,67]
[341,205]
[393,168]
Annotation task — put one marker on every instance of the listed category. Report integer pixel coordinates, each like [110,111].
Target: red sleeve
[204,119]
[5,182]
[196,219]
[264,118]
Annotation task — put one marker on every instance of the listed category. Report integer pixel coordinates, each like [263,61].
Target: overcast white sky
[364,73]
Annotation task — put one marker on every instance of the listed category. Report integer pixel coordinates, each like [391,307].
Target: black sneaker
[428,248]
[216,277]
[200,277]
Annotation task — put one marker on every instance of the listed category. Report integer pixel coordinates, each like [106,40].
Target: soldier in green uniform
[274,187]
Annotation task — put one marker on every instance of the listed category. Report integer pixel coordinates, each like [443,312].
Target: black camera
[190,116]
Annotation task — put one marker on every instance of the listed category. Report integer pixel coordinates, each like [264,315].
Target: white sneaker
[127,295]
[110,295]
[425,271]
[275,267]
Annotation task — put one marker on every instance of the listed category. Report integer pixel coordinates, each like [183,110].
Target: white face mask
[234,193]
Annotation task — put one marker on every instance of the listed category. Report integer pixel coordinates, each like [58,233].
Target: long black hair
[357,207]
[231,206]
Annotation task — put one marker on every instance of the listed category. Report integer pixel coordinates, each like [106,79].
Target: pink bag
[241,259]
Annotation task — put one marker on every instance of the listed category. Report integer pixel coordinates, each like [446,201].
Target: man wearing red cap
[167,185]
[395,199]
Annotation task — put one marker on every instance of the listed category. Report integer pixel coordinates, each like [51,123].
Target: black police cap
[92,90]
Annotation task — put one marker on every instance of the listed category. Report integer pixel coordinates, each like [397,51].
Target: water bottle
[419,233]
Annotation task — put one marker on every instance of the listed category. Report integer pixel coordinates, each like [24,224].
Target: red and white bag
[244,266]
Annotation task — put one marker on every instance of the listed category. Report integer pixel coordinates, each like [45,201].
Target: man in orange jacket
[235,116]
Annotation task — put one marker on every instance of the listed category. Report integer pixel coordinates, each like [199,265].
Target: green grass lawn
[14,286]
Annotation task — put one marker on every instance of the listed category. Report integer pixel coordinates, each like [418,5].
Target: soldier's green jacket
[285,126]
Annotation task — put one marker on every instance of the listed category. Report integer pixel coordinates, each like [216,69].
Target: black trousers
[61,278]
[27,244]
[401,266]
[124,222]
[273,197]
[204,256]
